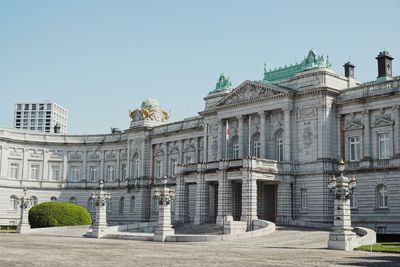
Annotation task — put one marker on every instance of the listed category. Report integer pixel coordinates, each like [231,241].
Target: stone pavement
[285,247]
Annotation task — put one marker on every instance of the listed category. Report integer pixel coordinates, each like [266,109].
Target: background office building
[42,117]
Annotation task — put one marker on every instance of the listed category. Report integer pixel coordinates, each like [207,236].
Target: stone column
[367,135]
[165,159]
[3,166]
[179,216]
[224,196]
[199,217]
[205,143]
[84,167]
[45,167]
[249,200]
[128,160]
[220,139]
[287,134]
[64,177]
[262,135]
[25,167]
[241,135]
[396,132]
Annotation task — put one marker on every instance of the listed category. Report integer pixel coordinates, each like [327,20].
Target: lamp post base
[23,228]
[342,241]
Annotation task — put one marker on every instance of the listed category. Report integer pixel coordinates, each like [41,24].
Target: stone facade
[284,141]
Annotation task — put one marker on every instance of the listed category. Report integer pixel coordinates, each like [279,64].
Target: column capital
[396,107]
[262,113]
[365,111]
[240,117]
[287,109]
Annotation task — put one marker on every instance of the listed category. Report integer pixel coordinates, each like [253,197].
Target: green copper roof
[312,61]
[223,83]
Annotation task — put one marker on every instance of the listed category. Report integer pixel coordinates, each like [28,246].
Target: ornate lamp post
[342,237]
[25,202]
[100,199]
[164,197]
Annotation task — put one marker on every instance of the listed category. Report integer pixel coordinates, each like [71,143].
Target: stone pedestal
[345,240]
[100,225]
[164,223]
[23,225]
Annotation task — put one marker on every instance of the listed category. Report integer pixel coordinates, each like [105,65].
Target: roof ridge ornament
[312,61]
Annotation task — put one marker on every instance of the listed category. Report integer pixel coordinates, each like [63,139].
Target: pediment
[251,90]
[381,122]
[354,126]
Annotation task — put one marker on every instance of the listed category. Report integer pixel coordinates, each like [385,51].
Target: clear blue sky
[101,58]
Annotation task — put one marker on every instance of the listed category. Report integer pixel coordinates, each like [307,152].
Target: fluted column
[205,143]
[287,133]
[220,139]
[262,135]
[241,136]
[367,135]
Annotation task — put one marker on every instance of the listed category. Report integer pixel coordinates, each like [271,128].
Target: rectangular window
[93,173]
[34,171]
[353,200]
[14,170]
[158,168]
[123,172]
[110,173]
[304,198]
[383,142]
[55,172]
[74,174]
[173,167]
[354,148]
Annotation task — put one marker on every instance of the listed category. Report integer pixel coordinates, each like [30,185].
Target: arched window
[235,147]
[121,205]
[108,205]
[155,204]
[91,205]
[256,145]
[279,146]
[53,199]
[72,200]
[132,207]
[136,166]
[381,196]
[34,201]
[13,205]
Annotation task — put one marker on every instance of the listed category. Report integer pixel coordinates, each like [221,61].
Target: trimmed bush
[51,214]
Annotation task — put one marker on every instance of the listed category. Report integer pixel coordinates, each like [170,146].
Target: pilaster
[367,135]
[396,132]
[262,135]
[241,136]
[287,133]
[220,139]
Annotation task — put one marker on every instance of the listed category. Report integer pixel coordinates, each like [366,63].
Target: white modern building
[265,149]
[45,117]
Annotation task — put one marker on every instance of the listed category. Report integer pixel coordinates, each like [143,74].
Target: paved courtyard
[285,247]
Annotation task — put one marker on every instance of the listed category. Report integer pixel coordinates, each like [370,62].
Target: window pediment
[381,122]
[351,126]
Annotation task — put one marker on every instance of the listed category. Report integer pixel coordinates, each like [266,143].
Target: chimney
[57,128]
[384,65]
[349,70]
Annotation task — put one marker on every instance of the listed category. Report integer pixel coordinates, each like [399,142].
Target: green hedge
[51,214]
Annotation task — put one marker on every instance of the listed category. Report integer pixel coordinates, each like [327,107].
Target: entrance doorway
[266,201]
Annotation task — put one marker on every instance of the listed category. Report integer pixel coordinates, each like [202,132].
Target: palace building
[265,149]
